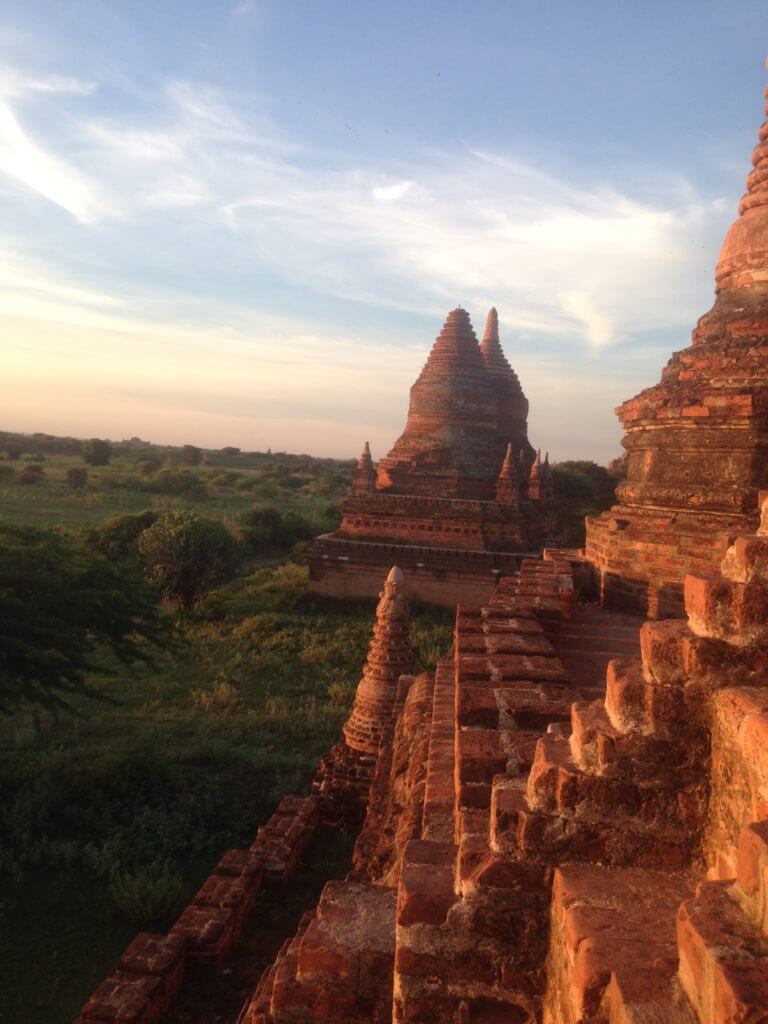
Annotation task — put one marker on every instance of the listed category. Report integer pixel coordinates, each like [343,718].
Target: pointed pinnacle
[491,325]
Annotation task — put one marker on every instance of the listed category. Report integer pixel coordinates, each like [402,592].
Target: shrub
[7,472]
[30,474]
[97,452]
[180,483]
[222,696]
[77,476]
[191,455]
[117,537]
[186,555]
[228,479]
[266,529]
[146,467]
[147,895]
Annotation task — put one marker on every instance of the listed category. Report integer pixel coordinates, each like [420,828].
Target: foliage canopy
[59,605]
[186,555]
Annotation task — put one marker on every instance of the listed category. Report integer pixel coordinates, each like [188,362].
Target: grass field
[114,490]
[112,814]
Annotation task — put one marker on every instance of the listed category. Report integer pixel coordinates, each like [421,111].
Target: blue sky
[243,222]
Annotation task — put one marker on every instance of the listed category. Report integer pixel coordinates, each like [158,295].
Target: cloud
[391,192]
[209,211]
[589,264]
[25,161]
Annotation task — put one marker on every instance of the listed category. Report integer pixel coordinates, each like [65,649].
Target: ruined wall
[698,441]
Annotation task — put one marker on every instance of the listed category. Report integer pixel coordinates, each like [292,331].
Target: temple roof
[496,363]
[744,256]
[455,348]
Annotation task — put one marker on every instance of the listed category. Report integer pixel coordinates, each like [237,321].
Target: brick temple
[698,440]
[461,496]
[566,822]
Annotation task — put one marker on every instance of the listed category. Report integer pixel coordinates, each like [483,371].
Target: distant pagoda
[698,440]
[450,502]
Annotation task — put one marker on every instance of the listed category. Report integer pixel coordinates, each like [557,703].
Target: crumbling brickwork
[697,441]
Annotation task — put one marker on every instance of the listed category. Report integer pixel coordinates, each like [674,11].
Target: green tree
[14,452]
[97,452]
[31,474]
[60,606]
[186,555]
[148,465]
[117,537]
[267,530]
[581,488]
[77,476]
[191,455]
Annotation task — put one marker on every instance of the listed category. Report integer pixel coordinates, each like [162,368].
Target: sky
[243,222]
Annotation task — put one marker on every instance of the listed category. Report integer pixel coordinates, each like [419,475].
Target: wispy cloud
[189,175]
[591,264]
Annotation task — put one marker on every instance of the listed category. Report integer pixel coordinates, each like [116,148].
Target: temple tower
[512,403]
[450,447]
[364,476]
[698,440]
[449,503]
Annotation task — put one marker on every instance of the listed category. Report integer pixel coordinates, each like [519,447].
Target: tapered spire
[744,256]
[364,476]
[496,362]
[491,326]
[450,447]
[507,485]
[389,657]
[535,482]
[511,402]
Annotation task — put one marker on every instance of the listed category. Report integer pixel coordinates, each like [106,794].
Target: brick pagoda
[697,441]
[461,494]
[346,772]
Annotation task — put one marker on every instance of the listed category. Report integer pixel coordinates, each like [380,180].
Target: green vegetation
[141,476]
[582,488]
[185,555]
[60,607]
[114,809]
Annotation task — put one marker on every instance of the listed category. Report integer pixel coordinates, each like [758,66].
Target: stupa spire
[535,482]
[389,657]
[744,256]
[364,476]
[512,403]
[507,487]
[496,363]
[491,326]
[450,445]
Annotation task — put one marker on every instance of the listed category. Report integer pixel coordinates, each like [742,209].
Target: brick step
[613,950]
[723,956]
[594,741]
[647,789]
[636,705]
[557,785]
[517,829]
